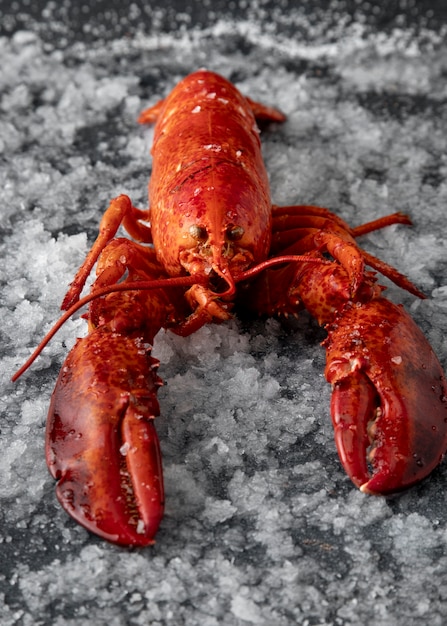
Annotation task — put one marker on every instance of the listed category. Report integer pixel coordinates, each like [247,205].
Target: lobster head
[216,236]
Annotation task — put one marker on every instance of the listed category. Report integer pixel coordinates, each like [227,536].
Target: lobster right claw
[389,402]
[101,442]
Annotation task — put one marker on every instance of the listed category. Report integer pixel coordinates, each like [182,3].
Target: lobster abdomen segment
[101,443]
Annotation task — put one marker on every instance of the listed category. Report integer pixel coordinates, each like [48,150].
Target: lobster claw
[101,443]
[389,401]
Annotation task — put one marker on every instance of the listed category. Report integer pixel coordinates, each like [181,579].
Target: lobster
[210,244]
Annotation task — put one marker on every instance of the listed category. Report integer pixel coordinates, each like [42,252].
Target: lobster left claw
[389,402]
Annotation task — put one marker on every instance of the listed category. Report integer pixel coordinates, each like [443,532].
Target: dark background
[113,18]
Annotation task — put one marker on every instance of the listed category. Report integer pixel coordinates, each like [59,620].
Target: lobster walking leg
[120,211]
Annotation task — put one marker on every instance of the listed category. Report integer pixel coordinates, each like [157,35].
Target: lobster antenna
[179,281]
[279,260]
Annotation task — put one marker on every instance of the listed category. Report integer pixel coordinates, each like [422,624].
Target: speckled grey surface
[261,526]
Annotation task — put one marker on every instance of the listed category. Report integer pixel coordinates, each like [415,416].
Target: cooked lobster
[212,242]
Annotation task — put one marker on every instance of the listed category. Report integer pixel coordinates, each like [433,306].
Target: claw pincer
[101,442]
[389,400]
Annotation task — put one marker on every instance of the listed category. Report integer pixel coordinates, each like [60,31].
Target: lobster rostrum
[211,241]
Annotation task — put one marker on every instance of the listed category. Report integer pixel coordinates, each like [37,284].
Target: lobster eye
[198,232]
[234,233]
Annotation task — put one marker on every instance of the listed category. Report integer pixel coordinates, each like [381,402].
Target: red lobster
[219,243]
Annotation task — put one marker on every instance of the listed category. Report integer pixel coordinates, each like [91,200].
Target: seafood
[211,242]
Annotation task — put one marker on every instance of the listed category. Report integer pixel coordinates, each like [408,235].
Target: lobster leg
[303,228]
[101,442]
[120,211]
[389,401]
